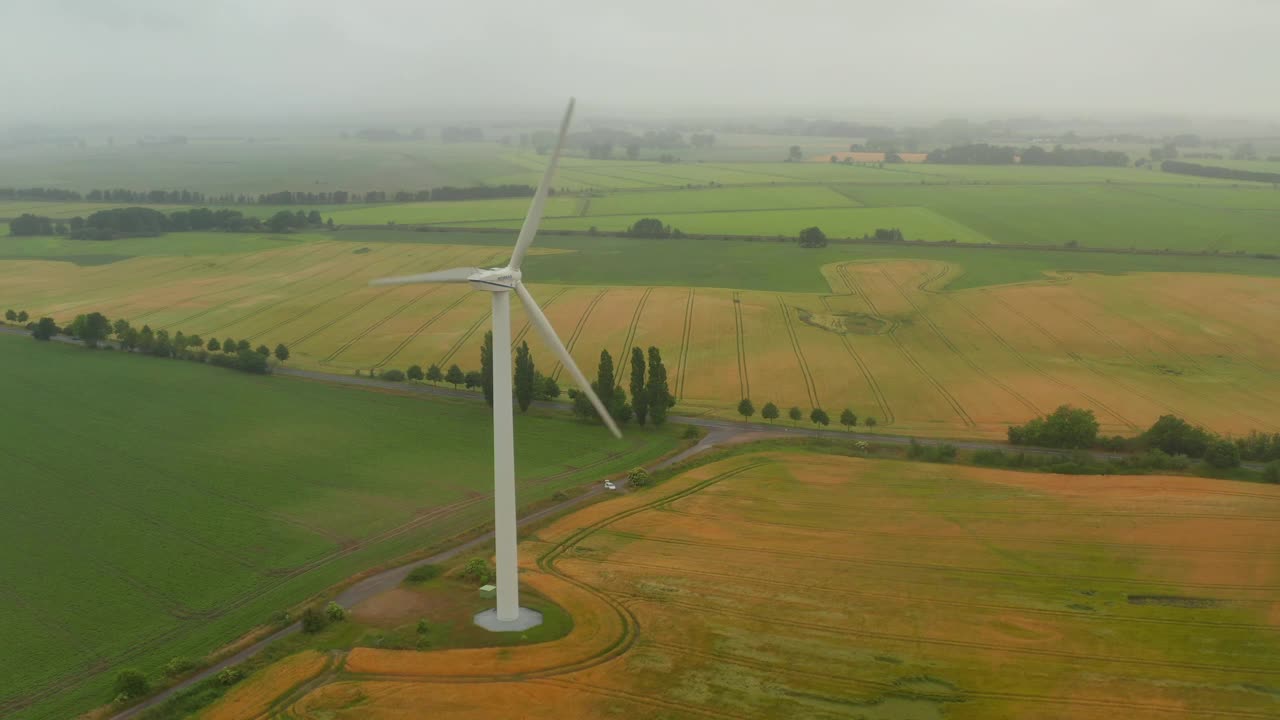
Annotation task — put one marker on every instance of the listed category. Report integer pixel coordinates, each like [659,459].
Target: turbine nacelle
[495,279]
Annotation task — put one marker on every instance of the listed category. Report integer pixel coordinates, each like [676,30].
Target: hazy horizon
[154,62]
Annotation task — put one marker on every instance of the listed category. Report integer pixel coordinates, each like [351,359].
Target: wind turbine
[500,283]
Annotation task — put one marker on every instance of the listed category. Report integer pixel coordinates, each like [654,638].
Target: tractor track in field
[1137,364]
[911,359]
[872,383]
[133,284]
[889,688]
[1026,362]
[908,598]
[1172,299]
[809,385]
[421,329]
[683,709]
[463,338]
[577,330]
[524,329]
[740,346]
[226,268]
[327,284]
[240,297]
[349,342]
[939,568]
[1078,359]
[983,536]
[952,346]
[826,629]
[682,359]
[631,336]
[1022,513]
[327,299]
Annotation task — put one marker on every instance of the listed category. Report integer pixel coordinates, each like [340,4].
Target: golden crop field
[799,585]
[889,340]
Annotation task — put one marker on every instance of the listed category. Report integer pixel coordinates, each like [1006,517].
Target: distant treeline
[984,154]
[285,197]
[139,221]
[1213,171]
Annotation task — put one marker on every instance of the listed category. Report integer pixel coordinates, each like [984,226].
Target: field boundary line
[809,385]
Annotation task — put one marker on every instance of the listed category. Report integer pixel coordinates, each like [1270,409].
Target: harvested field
[798,585]
[254,697]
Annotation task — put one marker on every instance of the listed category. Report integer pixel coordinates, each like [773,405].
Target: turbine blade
[531,221]
[549,336]
[452,275]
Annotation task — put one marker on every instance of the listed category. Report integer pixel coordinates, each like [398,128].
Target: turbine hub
[495,279]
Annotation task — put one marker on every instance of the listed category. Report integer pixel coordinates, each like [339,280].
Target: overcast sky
[177,59]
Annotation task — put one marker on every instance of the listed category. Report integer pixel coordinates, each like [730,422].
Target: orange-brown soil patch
[254,696]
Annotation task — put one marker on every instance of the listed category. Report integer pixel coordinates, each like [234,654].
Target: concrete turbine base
[488,619]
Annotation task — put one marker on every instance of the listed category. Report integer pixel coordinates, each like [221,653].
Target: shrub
[178,666]
[423,627]
[1066,427]
[335,612]
[392,375]
[690,432]
[131,684]
[230,676]
[477,570]
[313,621]
[1271,473]
[990,458]
[423,573]
[639,477]
[1222,454]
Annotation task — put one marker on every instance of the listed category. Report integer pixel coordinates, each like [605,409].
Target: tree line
[1213,171]
[139,221]
[817,416]
[984,154]
[650,394]
[1170,443]
[284,197]
[93,329]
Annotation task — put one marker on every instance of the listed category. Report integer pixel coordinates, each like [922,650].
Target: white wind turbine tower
[500,283]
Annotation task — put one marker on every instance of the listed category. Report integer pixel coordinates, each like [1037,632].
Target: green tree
[550,388]
[486,367]
[229,346]
[313,621]
[1176,436]
[1222,454]
[120,328]
[1271,472]
[794,154]
[848,419]
[45,329]
[795,414]
[524,376]
[414,372]
[434,375]
[263,350]
[813,237]
[214,345]
[746,409]
[455,377]
[769,412]
[818,416]
[1066,427]
[472,380]
[131,684]
[10,315]
[605,383]
[870,422]
[91,329]
[657,393]
[146,339]
[180,341]
[243,345]
[282,352]
[23,316]
[250,361]
[639,393]
[477,570]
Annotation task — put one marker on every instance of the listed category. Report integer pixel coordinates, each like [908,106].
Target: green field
[161,508]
